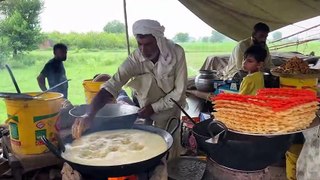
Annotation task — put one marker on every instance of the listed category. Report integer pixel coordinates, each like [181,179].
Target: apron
[148,92]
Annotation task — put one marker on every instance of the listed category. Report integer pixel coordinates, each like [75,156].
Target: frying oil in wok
[116,147]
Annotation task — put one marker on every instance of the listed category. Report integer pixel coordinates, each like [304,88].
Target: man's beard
[152,56]
[262,44]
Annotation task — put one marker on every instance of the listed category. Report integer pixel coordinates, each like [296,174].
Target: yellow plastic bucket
[91,88]
[291,160]
[31,119]
[310,84]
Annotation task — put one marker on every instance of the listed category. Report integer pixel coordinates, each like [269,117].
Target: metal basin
[112,116]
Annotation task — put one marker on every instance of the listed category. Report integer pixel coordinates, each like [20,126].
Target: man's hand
[80,125]
[146,111]
[83,123]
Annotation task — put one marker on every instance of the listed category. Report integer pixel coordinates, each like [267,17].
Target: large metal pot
[103,172]
[205,80]
[113,116]
[241,152]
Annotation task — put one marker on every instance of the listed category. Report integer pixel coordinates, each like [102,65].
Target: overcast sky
[93,15]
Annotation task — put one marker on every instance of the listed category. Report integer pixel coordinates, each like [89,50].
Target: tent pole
[296,33]
[126,23]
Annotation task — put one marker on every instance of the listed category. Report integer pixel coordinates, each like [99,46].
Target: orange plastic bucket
[91,89]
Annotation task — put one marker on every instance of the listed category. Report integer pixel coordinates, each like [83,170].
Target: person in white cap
[157,72]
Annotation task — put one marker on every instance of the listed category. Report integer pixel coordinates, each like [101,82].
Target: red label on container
[39,143]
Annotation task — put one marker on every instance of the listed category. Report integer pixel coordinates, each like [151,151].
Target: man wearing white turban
[157,72]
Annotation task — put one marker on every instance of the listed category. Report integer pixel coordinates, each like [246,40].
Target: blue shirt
[55,73]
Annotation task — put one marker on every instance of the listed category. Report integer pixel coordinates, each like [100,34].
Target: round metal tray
[315,123]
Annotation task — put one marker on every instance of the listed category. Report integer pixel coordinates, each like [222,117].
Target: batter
[116,147]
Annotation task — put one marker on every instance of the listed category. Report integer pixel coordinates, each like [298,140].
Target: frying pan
[102,172]
[238,151]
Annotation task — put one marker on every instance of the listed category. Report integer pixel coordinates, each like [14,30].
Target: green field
[84,64]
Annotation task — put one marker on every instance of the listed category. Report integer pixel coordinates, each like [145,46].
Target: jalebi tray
[315,124]
[274,111]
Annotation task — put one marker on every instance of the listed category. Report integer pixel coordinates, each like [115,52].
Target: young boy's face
[251,65]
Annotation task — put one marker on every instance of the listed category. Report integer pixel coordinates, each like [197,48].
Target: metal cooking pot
[237,151]
[113,116]
[103,172]
[241,152]
[205,80]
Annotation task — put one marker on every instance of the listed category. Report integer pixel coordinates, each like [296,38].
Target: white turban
[147,26]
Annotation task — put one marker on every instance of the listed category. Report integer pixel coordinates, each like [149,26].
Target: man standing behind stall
[54,71]
[259,37]
[158,72]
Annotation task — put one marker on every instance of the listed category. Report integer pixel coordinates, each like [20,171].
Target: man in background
[259,37]
[54,71]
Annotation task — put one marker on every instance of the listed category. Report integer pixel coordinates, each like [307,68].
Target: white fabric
[169,73]
[145,75]
[155,83]
[147,26]
[308,164]
[235,18]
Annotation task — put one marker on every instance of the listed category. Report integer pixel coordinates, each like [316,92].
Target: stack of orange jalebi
[276,110]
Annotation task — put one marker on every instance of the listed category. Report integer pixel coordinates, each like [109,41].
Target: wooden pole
[126,23]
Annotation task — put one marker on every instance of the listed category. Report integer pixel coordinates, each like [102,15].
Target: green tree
[21,24]
[181,37]
[4,51]
[217,37]
[114,26]
[277,35]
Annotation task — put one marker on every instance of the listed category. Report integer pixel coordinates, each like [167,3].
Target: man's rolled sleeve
[120,78]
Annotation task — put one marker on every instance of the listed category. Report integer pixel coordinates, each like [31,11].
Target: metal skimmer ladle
[214,138]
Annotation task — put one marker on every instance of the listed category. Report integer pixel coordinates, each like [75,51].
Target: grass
[84,64]
[79,66]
